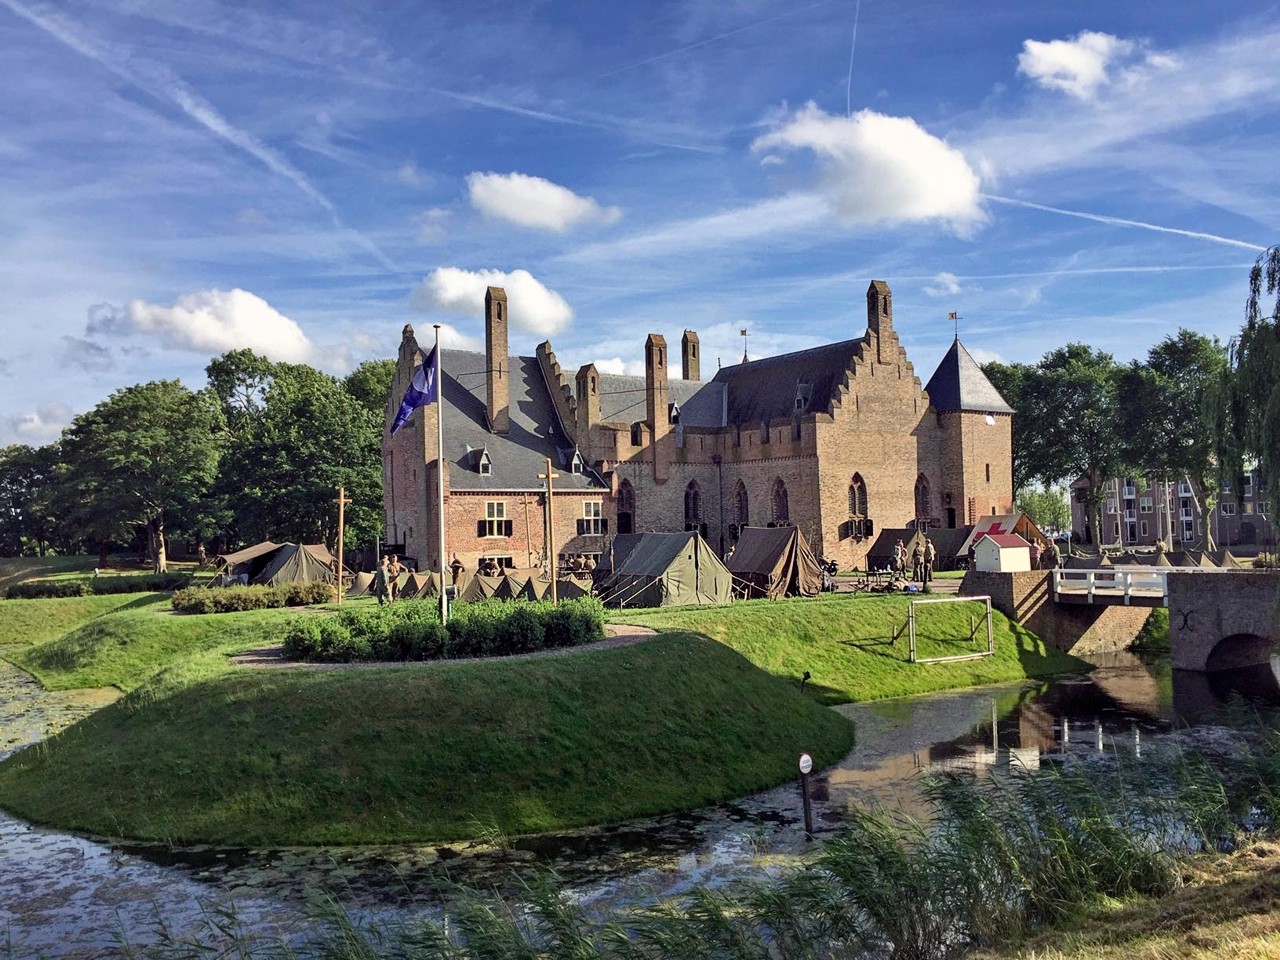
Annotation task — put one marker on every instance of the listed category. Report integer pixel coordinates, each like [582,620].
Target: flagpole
[444,601]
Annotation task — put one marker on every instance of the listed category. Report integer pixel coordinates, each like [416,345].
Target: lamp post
[551,528]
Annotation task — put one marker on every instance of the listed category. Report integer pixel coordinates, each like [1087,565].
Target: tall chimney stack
[497,360]
[657,402]
[690,365]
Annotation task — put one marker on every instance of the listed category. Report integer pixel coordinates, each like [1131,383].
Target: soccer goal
[975,626]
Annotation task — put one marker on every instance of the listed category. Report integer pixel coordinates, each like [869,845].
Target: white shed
[1002,553]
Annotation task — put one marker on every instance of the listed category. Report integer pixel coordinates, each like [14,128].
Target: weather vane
[744,344]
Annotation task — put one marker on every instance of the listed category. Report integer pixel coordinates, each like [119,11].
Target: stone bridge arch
[1223,620]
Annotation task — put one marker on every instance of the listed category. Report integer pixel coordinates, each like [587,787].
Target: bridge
[1218,619]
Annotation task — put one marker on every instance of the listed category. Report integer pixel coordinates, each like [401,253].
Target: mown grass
[846,643]
[15,570]
[26,622]
[208,752]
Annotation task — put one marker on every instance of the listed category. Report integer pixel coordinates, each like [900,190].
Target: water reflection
[77,891]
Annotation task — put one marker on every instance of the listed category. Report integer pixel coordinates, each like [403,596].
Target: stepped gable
[960,384]
[767,389]
[518,455]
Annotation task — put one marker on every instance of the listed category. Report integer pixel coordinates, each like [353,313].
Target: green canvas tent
[295,563]
[481,588]
[361,586]
[666,570]
[774,562]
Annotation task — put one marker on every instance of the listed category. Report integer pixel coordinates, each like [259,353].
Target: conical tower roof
[960,384]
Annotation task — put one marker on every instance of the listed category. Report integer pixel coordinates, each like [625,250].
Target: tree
[370,385]
[145,450]
[1046,506]
[240,379]
[26,473]
[1248,404]
[1016,383]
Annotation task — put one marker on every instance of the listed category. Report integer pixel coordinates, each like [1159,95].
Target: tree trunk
[102,556]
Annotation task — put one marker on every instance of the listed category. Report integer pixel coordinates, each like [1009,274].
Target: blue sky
[184,178]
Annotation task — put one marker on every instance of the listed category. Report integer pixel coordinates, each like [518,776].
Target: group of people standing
[386,579]
[923,556]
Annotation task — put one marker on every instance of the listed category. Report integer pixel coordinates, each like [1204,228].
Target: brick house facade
[840,440]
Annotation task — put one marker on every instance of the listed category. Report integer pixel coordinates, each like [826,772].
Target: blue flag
[424,388]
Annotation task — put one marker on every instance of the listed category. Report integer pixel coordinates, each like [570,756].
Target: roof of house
[960,384]
[622,400]
[518,456]
[766,389]
[1004,540]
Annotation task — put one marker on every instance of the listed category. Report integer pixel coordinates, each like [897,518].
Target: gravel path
[619,635]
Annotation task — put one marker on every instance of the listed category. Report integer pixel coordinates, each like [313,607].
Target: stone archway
[1238,650]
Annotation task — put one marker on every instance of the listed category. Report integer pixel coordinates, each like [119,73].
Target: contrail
[163,84]
[703,43]
[853,45]
[1120,222]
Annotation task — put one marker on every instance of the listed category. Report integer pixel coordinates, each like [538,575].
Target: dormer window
[802,397]
[576,465]
[673,413]
[484,464]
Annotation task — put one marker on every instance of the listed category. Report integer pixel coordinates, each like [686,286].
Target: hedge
[90,586]
[236,599]
[411,630]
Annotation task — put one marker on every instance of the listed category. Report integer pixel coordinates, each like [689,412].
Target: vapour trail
[853,45]
[703,43]
[161,83]
[1121,222]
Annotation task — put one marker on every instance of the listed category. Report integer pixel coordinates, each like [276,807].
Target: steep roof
[960,384]
[622,400]
[518,456]
[766,389]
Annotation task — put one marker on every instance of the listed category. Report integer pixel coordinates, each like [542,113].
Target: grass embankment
[15,570]
[121,640]
[1228,909]
[209,752]
[844,643]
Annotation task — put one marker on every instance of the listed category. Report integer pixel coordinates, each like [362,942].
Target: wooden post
[551,529]
[342,502]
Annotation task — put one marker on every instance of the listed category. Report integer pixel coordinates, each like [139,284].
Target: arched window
[857,496]
[741,508]
[781,508]
[924,505]
[626,507]
[692,506]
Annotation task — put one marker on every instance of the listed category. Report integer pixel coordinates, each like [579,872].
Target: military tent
[665,570]
[1017,522]
[535,589]
[295,563]
[774,562]
[568,590]
[362,586]
[481,588]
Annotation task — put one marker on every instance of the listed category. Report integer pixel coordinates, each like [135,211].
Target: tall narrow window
[924,503]
[495,522]
[692,506]
[626,507]
[592,522]
[857,496]
[781,507]
[741,508]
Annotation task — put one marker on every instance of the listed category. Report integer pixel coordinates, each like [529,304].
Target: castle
[839,440]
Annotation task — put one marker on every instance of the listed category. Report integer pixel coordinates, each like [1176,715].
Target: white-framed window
[504,561]
[495,522]
[1111,504]
[1187,514]
[1130,489]
[592,522]
[1145,504]
[1188,530]
[1264,507]
[1184,489]
[1226,485]
[1228,508]
[1142,526]
[1115,530]
[1247,485]
[1247,507]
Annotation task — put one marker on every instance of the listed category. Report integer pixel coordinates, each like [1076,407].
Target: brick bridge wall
[1027,598]
[1208,608]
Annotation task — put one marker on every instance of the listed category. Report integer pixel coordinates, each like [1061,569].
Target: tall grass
[997,857]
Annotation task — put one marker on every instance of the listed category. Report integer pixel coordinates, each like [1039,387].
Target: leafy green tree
[1047,506]
[1248,403]
[370,385]
[26,474]
[144,451]
[1017,383]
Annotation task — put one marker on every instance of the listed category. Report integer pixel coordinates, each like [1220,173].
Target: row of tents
[512,585]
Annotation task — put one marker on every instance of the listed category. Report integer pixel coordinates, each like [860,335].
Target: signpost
[551,529]
[806,767]
[342,502]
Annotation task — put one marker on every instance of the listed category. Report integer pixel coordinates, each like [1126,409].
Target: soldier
[899,557]
[394,569]
[917,562]
[1035,553]
[930,555]
[380,588]
[455,569]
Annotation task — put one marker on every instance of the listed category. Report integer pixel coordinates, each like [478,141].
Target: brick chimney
[497,360]
[657,402]
[880,319]
[587,408]
[690,365]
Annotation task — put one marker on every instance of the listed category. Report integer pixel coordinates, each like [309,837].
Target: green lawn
[209,752]
[844,643]
[15,570]
[25,622]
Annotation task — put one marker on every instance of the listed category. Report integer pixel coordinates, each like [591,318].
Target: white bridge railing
[1109,584]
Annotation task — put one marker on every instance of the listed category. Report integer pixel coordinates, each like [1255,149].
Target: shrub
[236,599]
[410,630]
[88,586]
[41,589]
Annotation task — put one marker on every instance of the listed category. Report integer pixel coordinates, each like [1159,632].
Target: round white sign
[806,764]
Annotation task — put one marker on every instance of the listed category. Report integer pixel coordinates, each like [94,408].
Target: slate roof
[960,384]
[517,457]
[766,389]
[622,400]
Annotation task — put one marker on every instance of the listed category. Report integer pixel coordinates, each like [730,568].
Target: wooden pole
[440,477]
[551,529]
[342,502]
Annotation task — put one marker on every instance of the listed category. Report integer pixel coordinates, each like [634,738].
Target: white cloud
[616,365]
[772,160]
[431,225]
[534,308]
[536,203]
[884,170]
[411,176]
[984,356]
[944,285]
[210,321]
[1078,66]
[36,427]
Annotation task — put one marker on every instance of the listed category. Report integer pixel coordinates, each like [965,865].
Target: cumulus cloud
[534,308]
[36,427]
[536,203]
[616,365]
[878,169]
[984,356]
[90,356]
[210,321]
[431,225]
[944,284]
[1078,66]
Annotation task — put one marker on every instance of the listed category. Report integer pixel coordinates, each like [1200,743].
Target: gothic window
[857,496]
[781,508]
[741,508]
[637,434]
[692,506]
[924,504]
[626,507]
